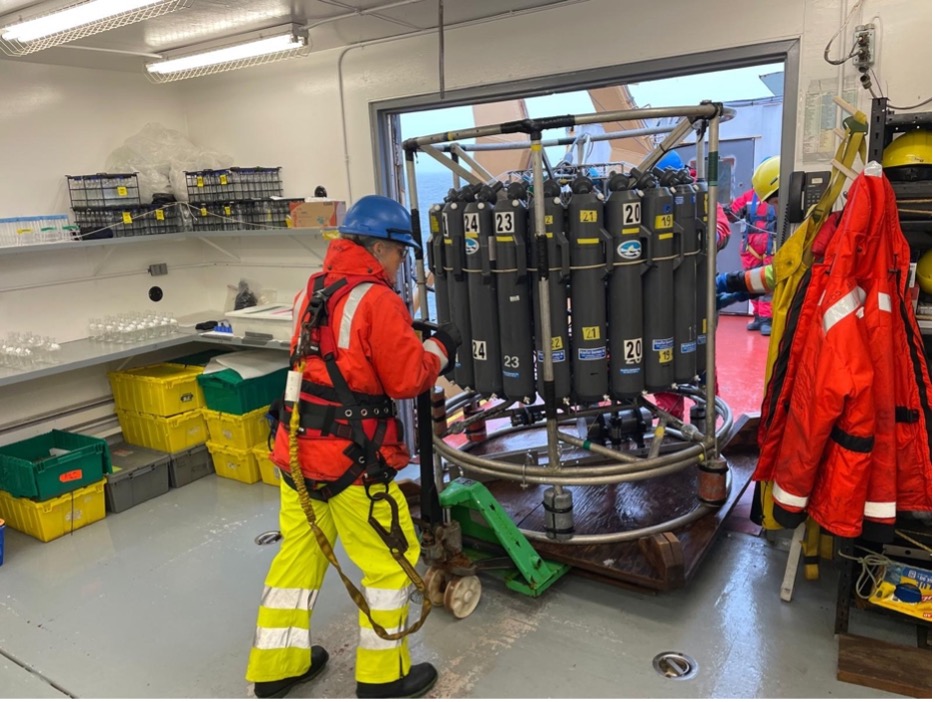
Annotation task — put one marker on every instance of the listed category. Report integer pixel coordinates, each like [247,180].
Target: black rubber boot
[755,324]
[421,679]
[278,688]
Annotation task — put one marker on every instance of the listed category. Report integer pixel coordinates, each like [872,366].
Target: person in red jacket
[357,350]
[757,209]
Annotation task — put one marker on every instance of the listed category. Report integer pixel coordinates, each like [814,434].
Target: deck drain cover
[675,666]
[267,538]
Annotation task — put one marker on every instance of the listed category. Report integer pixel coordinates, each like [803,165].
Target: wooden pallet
[885,666]
[660,562]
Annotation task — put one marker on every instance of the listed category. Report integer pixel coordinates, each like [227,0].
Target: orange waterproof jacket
[379,354]
[846,421]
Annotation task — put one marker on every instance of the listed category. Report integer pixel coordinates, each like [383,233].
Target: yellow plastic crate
[164,389]
[269,471]
[242,431]
[53,518]
[169,434]
[234,463]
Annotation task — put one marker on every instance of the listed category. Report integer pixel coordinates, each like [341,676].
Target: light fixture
[263,47]
[79,20]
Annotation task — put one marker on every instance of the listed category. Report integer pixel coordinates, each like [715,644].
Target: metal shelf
[161,238]
[84,353]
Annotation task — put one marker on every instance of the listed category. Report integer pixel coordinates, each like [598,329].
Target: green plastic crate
[27,469]
[226,391]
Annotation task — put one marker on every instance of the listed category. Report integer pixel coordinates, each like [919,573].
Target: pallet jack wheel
[434,580]
[462,595]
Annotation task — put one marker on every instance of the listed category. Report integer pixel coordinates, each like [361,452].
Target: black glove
[450,337]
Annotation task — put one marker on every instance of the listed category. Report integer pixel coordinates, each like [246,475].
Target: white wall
[57,121]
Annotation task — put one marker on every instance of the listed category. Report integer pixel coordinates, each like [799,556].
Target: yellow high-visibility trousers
[282,645]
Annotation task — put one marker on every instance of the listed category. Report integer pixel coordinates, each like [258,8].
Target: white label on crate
[293,386]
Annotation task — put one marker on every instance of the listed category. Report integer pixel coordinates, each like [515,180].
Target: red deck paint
[741,364]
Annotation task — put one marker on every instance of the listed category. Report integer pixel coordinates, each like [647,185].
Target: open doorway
[754,134]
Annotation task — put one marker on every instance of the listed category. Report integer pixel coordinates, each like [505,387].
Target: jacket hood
[347,258]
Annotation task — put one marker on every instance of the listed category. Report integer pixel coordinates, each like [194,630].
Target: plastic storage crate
[229,184]
[50,519]
[104,190]
[237,430]
[32,469]
[219,217]
[226,391]
[269,471]
[269,213]
[42,229]
[234,463]
[164,389]
[169,434]
[139,474]
[108,222]
[189,465]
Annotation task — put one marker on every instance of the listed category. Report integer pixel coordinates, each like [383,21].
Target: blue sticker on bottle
[471,246]
[666,208]
[663,344]
[629,371]
[511,374]
[557,356]
[687,348]
[592,354]
[702,339]
[679,199]
[631,249]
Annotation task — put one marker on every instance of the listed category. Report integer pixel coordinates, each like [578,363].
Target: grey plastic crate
[139,474]
[190,465]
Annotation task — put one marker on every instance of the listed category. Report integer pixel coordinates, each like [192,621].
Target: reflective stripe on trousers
[282,645]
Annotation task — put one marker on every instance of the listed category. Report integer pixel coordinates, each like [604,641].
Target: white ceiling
[211,20]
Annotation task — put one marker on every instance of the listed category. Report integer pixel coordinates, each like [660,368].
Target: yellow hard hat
[924,272]
[911,149]
[766,179]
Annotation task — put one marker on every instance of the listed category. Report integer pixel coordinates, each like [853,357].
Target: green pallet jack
[494,543]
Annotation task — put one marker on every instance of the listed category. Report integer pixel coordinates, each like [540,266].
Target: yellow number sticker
[591,333]
[433,225]
[200,182]
[223,180]
[122,190]
[204,211]
[160,215]
[557,343]
[127,219]
[664,221]
[588,215]
[227,210]
[548,219]
[665,356]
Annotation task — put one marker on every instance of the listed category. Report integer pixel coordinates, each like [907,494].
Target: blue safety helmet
[381,218]
[671,159]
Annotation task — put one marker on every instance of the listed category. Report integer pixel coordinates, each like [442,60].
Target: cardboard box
[318,214]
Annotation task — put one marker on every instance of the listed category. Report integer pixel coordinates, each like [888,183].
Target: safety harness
[344,419]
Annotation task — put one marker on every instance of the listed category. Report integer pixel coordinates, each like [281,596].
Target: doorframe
[785,52]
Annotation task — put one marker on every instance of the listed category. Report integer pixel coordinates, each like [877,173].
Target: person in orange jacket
[354,341]
[757,208]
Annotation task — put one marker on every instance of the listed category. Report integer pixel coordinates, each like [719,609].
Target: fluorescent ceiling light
[78,21]
[249,53]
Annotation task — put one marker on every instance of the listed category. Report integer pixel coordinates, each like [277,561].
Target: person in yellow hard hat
[757,208]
